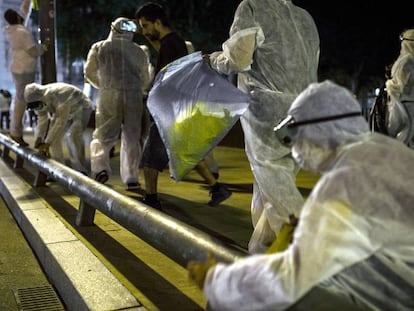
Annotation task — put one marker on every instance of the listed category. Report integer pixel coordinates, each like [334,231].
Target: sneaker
[19,140]
[131,186]
[154,204]
[219,195]
[102,177]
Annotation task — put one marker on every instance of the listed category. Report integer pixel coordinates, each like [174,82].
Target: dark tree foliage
[81,23]
[358,38]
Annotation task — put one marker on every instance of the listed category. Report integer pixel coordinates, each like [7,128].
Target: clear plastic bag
[194,108]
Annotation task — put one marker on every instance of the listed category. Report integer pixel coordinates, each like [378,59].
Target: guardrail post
[40,179]
[86,214]
[18,162]
[5,152]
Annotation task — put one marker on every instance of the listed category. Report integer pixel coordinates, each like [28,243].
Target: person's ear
[157,24]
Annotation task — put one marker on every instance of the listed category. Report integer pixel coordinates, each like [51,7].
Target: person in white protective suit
[353,248]
[25,52]
[274,48]
[62,109]
[118,67]
[400,89]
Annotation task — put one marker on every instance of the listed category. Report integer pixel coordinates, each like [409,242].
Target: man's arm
[25,9]
[60,120]
[42,125]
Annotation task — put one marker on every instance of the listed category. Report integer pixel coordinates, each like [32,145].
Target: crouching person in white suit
[353,248]
[62,109]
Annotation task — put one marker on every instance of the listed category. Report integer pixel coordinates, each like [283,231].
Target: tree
[81,23]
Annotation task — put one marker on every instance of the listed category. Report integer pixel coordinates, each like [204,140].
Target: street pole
[47,36]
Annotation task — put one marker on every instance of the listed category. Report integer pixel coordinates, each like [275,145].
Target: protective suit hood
[407,42]
[117,31]
[34,92]
[316,143]
[327,99]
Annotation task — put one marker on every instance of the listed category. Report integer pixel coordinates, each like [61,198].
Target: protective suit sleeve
[150,68]
[396,85]
[400,86]
[37,50]
[42,124]
[61,117]
[28,42]
[144,69]
[92,68]
[25,8]
[238,50]
[328,239]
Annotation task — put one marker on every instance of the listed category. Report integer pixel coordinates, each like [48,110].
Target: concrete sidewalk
[20,271]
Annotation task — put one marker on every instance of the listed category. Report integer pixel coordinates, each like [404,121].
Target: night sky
[362,35]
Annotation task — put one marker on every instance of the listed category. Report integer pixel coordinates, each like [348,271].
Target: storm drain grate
[41,298]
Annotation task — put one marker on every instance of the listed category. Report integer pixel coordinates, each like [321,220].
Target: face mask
[311,157]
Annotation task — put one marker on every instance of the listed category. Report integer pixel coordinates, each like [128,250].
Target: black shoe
[216,175]
[219,195]
[154,204]
[131,186]
[19,140]
[102,177]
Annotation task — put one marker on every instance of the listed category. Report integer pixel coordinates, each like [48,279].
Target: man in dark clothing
[155,26]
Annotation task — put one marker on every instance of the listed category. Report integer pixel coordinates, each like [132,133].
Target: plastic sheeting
[194,108]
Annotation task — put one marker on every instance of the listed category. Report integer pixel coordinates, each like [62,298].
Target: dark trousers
[5,118]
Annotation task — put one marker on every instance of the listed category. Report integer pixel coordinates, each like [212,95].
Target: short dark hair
[152,11]
[12,17]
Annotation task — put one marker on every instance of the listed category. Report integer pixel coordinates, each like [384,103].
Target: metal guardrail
[175,239]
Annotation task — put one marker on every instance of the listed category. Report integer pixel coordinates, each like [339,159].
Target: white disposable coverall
[68,110]
[400,88]
[25,52]
[118,67]
[355,236]
[274,48]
